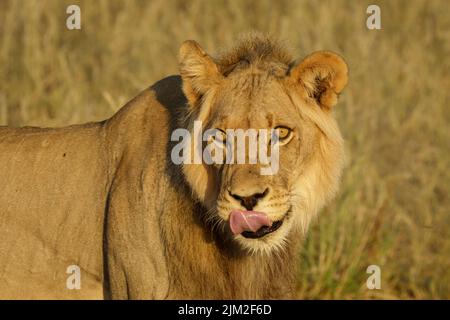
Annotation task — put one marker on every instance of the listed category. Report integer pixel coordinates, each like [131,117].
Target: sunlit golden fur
[106,197]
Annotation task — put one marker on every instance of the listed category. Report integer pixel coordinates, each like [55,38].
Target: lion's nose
[249,202]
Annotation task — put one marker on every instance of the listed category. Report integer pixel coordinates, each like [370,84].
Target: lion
[105,199]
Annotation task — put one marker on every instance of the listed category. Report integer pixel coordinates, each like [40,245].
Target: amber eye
[219,137]
[283,134]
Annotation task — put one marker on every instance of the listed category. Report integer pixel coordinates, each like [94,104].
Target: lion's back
[53,184]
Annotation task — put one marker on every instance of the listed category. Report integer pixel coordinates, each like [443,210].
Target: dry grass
[393,208]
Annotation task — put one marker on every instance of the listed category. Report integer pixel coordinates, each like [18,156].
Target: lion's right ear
[198,71]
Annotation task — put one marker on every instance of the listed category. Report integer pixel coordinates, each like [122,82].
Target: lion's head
[257,85]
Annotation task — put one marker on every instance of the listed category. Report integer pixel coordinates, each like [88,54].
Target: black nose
[249,202]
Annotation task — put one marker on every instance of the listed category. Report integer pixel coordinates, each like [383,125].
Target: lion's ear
[323,74]
[198,71]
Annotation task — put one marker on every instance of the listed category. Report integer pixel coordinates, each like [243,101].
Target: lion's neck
[202,267]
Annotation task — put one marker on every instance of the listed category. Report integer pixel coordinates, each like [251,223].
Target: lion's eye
[219,137]
[283,134]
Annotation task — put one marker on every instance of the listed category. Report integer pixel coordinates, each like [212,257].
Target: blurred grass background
[393,207]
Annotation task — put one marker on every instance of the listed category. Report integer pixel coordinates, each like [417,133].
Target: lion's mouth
[253,224]
[261,232]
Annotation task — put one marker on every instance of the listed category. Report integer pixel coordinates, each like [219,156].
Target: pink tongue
[241,221]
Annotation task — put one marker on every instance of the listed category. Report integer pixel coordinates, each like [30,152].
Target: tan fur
[106,196]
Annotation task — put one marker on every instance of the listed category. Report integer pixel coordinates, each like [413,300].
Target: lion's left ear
[198,71]
[323,74]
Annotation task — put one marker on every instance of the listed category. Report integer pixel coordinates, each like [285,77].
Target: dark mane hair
[254,50]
